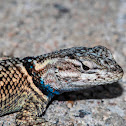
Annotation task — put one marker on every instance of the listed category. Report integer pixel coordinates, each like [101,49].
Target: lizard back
[16,86]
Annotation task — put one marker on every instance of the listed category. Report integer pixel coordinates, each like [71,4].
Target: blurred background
[35,27]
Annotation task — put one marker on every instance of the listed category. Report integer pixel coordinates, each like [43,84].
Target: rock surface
[35,27]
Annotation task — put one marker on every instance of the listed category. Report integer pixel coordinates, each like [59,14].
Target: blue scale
[49,90]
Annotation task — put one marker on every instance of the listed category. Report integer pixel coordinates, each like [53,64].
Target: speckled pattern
[31,27]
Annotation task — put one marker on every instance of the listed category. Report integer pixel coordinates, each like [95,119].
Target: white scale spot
[68,74]
[29,60]
[89,76]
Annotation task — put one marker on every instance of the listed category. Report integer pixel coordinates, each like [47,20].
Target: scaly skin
[27,85]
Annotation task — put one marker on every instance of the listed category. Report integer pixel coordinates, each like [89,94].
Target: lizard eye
[87,65]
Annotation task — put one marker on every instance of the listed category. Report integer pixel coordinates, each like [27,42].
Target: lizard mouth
[90,80]
[97,79]
[80,85]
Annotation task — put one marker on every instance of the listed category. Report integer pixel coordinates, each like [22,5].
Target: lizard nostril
[114,69]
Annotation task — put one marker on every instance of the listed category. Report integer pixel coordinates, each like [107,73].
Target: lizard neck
[37,77]
[47,89]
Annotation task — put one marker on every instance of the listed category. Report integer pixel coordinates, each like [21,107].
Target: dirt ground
[35,27]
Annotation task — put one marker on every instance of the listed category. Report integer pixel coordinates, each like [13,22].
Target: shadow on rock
[97,92]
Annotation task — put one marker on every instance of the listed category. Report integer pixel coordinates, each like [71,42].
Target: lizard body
[28,84]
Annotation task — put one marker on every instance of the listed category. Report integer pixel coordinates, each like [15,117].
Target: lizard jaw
[76,80]
[79,85]
[101,77]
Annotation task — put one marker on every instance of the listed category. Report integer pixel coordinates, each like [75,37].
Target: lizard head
[80,67]
[84,67]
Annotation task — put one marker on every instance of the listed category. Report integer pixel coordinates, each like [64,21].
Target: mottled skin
[27,85]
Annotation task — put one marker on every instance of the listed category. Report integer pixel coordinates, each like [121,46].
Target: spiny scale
[28,84]
[12,83]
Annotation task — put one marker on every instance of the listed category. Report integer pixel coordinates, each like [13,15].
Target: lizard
[28,84]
